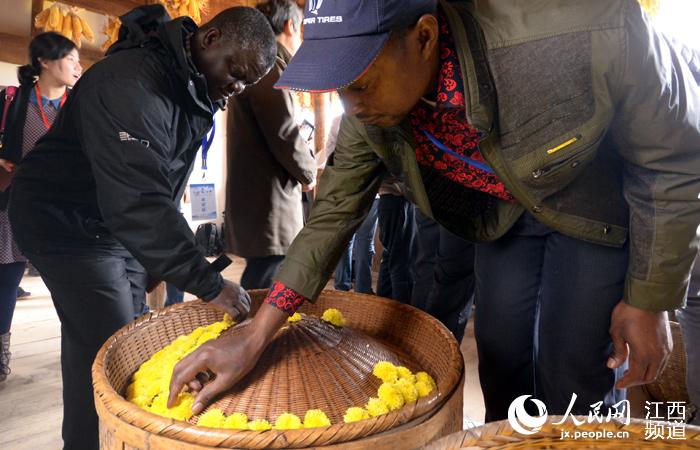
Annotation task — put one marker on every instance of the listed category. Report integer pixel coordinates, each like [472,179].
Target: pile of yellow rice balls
[150,385]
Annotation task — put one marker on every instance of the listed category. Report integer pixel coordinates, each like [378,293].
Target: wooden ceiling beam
[111,7]
[14,49]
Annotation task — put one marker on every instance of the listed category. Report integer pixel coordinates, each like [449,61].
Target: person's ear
[42,62]
[210,38]
[427,33]
[289,28]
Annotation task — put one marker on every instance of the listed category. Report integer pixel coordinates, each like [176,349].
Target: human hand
[229,358]
[233,300]
[644,336]
[9,166]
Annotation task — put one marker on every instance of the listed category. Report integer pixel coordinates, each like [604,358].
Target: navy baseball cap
[343,37]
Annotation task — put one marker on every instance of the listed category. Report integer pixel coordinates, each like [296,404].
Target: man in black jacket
[95,202]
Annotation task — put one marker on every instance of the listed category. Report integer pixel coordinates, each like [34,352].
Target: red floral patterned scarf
[445,141]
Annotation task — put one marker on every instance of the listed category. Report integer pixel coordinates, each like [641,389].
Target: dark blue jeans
[94,296]
[173,295]
[258,272]
[361,246]
[10,276]
[689,318]
[543,306]
[444,274]
[396,235]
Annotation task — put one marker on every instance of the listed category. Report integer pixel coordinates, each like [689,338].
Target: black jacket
[109,173]
[14,131]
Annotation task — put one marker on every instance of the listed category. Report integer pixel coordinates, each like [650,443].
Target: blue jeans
[444,275]
[396,235]
[543,307]
[689,318]
[10,276]
[173,295]
[362,246]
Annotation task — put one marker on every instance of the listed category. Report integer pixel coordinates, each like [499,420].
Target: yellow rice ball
[296,317]
[315,418]
[377,407]
[181,411]
[355,414]
[423,376]
[287,421]
[407,389]
[259,425]
[423,388]
[385,371]
[236,421]
[391,396]
[214,418]
[405,373]
[334,317]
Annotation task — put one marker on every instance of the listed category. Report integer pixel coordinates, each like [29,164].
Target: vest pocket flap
[564,161]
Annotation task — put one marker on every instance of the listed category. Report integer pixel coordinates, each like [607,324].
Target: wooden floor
[30,399]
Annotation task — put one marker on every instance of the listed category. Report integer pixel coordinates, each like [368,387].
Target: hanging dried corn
[112,32]
[651,7]
[191,8]
[65,20]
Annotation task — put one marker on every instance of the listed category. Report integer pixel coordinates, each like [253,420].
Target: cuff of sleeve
[284,298]
[214,289]
[653,296]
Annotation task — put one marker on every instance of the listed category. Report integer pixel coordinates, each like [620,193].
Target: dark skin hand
[228,358]
[644,336]
[232,300]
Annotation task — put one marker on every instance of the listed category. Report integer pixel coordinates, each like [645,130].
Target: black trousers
[543,307]
[94,296]
[258,272]
[444,275]
[395,216]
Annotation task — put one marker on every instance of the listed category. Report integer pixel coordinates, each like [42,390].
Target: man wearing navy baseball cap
[560,136]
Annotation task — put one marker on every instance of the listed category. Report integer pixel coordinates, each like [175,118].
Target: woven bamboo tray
[671,385]
[309,365]
[500,435]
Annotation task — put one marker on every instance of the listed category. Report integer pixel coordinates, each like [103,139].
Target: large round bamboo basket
[500,435]
[376,329]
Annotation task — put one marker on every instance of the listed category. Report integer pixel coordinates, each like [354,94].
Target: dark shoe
[21,293]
